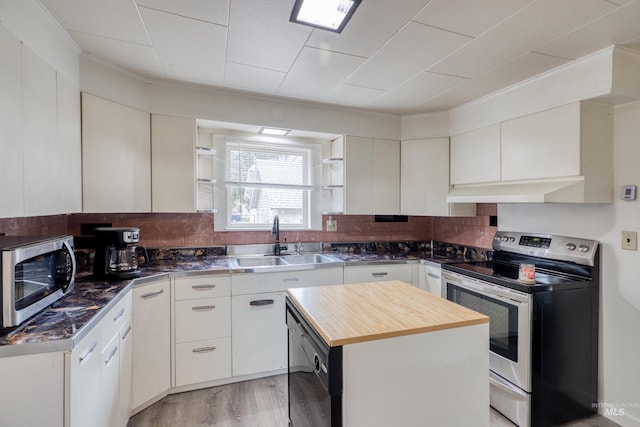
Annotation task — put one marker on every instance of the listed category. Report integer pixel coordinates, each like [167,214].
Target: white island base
[438,378]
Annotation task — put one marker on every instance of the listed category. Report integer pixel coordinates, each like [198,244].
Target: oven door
[509,314]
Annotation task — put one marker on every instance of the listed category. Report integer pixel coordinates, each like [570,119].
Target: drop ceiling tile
[378,19]
[214,11]
[354,96]
[176,39]
[412,50]
[436,104]
[317,72]
[131,56]
[116,19]
[618,27]
[535,25]
[253,79]
[470,17]
[524,67]
[261,35]
[418,90]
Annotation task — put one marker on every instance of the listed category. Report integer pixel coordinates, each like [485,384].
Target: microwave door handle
[73,264]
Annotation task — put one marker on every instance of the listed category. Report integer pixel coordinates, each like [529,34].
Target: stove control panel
[580,251]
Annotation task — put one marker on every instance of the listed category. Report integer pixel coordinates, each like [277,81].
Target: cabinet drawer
[202,319]
[202,287]
[202,361]
[253,283]
[115,319]
[359,274]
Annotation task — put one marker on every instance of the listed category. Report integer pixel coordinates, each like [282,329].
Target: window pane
[258,205]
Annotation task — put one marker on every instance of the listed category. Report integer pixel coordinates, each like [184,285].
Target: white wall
[226,106]
[619,383]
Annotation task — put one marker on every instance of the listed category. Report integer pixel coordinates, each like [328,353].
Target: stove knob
[505,238]
[583,248]
[571,246]
[512,239]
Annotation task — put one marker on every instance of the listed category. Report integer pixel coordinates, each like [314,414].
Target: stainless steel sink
[259,261]
[308,259]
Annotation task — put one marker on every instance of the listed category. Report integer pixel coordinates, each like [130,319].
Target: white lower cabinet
[378,273]
[99,384]
[430,278]
[152,342]
[259,333]
[202,324]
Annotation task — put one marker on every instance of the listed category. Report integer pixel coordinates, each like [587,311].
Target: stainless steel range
[541,293]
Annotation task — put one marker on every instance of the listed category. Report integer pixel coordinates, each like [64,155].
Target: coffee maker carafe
[116,252]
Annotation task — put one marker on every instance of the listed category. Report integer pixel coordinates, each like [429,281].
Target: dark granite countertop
[67,321]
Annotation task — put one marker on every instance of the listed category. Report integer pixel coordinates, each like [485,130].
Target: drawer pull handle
[435,276]
[84,356]
[203,307]
[118,315]
[151,294]
[203,287]
[290,279]
[111,356]
[383,274]
[126,333]
[261,302]
[203,350]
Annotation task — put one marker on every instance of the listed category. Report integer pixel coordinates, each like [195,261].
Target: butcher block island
[383,354]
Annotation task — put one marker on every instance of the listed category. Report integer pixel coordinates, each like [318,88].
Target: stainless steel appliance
[314,375]
[116,255]
[35,272]
[543,333]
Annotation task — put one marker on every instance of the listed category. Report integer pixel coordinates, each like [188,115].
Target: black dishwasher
[314,375]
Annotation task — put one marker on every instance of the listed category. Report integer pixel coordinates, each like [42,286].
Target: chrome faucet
[277,249]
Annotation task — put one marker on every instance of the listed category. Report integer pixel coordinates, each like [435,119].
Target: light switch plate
[629,240]
[332,225]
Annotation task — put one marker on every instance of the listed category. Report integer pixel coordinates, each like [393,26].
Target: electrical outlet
[332,225]
[629,240]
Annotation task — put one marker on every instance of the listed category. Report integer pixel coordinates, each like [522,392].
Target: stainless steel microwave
[34,272]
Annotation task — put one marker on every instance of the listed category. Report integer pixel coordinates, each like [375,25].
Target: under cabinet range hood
[556,190]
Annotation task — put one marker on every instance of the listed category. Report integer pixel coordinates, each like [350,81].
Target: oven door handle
[509,297]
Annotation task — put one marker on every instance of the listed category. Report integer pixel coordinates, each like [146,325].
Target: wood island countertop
[359,312]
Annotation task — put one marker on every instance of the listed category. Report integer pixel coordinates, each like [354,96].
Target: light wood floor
[257,403]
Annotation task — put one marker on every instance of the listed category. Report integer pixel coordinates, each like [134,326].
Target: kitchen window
[262,179]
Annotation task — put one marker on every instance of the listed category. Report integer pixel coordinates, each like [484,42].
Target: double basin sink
[281,261]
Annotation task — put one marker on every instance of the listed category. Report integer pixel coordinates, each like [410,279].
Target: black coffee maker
[116,252]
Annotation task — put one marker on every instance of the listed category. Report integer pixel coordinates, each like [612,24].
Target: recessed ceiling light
[330,15]
[274,131]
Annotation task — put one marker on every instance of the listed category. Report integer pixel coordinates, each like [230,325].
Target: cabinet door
[116,157]
[109,384]
[11,147]
[200,319]
[31,390]
[69,147]
[378,273]
[39,135]
[173,164]
[425,177]
[475,156]
[259,333]
[202,361]
[85,391]
[126,368]
[542,145]
[386,177]
[430,278]
[152,342]
[358,175]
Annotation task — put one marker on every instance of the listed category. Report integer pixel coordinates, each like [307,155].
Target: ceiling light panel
[274,131]
[330,15]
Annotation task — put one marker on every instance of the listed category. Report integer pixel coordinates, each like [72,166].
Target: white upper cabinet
[424,180]
[542,145]
[475,156]
[173,163]
[11,159]
[364,176]
[69,147]
[116,157]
